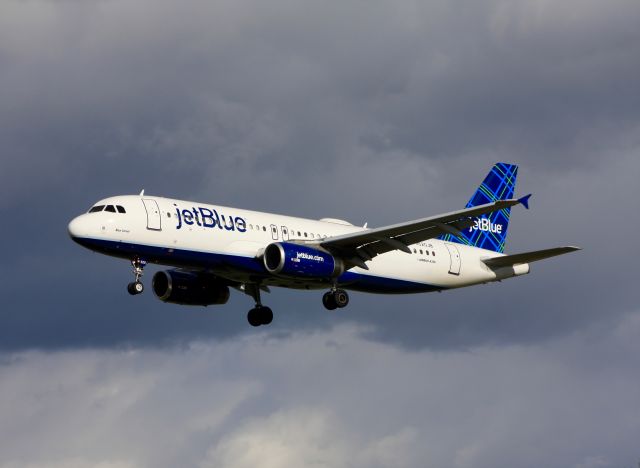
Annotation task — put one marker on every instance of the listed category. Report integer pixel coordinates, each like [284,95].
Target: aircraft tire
[266,315]
[254,317]
[341,298]
[329,301]
[135,287]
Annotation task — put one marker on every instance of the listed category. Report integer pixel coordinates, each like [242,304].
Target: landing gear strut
[136,287]
[336,298]
[259,315]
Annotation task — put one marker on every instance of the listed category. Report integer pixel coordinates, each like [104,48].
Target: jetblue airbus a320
[213,248]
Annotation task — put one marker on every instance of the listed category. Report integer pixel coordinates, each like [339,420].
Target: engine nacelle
[295,260]
[186,288]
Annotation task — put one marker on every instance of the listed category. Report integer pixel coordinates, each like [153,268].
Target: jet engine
[295,260]
[188,288]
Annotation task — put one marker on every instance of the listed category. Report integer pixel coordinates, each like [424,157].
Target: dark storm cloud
[365,110]
[368,111]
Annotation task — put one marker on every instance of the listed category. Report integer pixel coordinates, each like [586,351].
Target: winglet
[142,193]
[524,201]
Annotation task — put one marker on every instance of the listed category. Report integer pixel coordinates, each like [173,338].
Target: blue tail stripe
[490,231]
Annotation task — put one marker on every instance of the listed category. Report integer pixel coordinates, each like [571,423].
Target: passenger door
[154,221]
[454,255]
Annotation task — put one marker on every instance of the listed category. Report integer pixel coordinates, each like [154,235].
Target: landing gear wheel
[266,315]
[135,288]
[253,317]
[260,316]
[341,298]
[337,298]
[328,301]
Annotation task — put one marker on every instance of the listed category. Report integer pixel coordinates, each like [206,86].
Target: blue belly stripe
[183,258]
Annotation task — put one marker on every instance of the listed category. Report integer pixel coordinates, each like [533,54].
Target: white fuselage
[229,242]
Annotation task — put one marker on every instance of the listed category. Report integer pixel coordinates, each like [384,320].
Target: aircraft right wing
[527,257]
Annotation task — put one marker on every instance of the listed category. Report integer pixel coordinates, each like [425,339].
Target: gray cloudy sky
[366,110]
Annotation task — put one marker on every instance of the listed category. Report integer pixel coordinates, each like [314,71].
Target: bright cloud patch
[325,399]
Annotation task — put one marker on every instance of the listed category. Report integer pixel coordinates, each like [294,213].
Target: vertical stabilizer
[490,231]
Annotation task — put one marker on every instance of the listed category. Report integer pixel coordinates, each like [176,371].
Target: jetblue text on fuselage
[485,225]
[208,218]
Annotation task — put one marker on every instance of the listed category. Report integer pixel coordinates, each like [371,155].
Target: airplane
[213,248]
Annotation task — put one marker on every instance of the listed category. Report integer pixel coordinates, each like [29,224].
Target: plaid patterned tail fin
[490,231]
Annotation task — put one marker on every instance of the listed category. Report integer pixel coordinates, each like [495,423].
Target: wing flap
[527,257]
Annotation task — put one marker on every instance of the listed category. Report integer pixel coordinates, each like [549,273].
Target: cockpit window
[96,208]
[110,208]
[120,209]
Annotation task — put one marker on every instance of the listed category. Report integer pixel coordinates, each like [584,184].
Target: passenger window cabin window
[421,252]
[264,228]
[121,209]
[168,215]
[96,209]
[110,209]
[433,253]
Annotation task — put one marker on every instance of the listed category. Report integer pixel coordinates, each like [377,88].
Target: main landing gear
[259,315]
[136,287]
[334,299]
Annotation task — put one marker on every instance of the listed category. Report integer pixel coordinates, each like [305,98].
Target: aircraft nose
[76,228]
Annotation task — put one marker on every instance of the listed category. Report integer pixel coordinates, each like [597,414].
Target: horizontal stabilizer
[527,257]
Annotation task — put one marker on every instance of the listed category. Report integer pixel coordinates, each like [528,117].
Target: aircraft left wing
[358,247]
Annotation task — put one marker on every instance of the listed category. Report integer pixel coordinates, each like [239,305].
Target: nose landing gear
[334,299]
[136,287]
